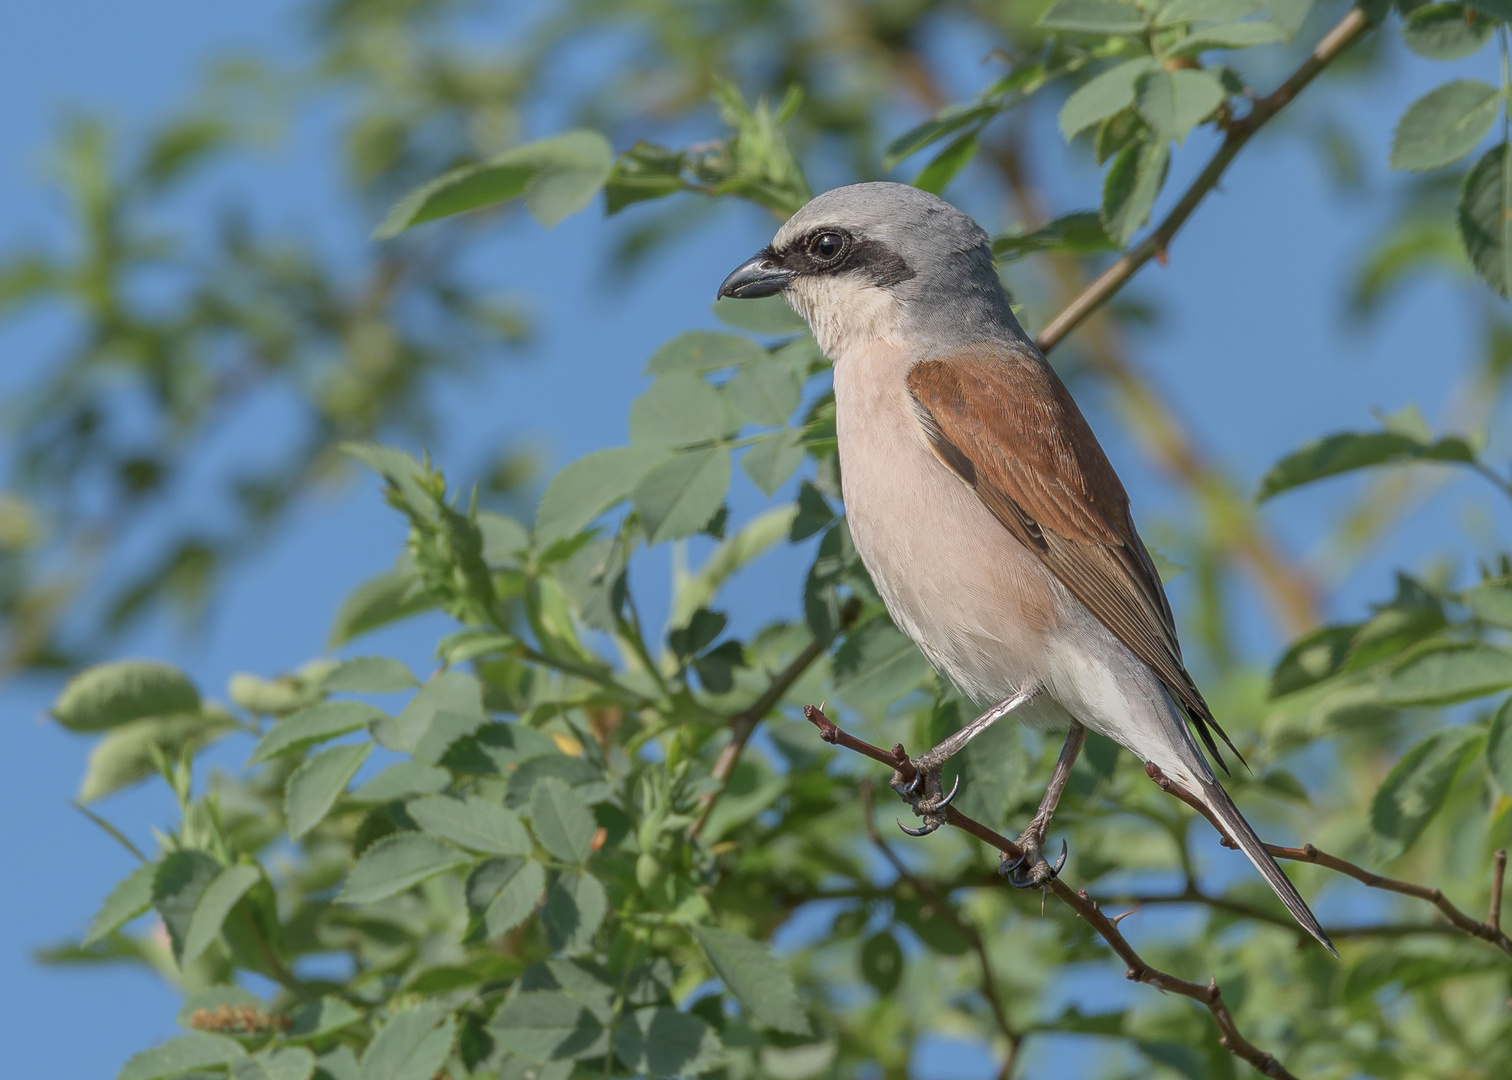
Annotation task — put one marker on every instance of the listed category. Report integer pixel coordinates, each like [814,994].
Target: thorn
[1116,919]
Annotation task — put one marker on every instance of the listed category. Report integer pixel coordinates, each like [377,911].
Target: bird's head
[871,261]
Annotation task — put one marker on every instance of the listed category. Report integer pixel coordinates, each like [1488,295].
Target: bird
[990,520]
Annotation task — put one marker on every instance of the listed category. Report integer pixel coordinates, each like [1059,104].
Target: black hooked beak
[760,275]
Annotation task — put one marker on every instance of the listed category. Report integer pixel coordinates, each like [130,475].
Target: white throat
[845,313]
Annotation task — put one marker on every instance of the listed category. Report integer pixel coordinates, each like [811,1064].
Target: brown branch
[1240,131]
[1078,901]
[946,910]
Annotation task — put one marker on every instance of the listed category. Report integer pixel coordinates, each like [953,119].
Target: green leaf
[377,602]
[764,393]
[372,675]
[589,486]
[505,540]
[678,409]
[503,893]
[878,665]
[1234,35]
[1491,601]
[131,897]
[561,821]
[575,908]
[315,786]
[677,498]
[1444,125]
[396,863]
[452,701]
[319,1018]
[755,976]
[411,1046]
[197,1050]
[547,1025]
[882,962]
[402,780]
[1184,11]
[770,315]
[1094,17]
[1499,748]
[1133,181]
[1080,233]
[1174,102]
[582,776]
[337,1064]
[700,351]
[229,886]
[663,1042]
[474,823]
[645,171]
[108,695]
[181,881]
[1443,673]
[1443,31]
[283,1063]
[1485,219]
[947,164]
[558,177]
[1348,451]
[124,755]
[754,539]
[1101,97]
[772,459]
[316,724]
[1415,789]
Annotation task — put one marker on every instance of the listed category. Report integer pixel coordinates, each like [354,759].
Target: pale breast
[979,604]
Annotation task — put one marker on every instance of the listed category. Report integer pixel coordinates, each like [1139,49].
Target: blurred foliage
[556,855]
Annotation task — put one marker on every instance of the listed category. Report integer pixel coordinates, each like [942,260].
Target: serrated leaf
[1416,787]
[377,602]
[663,1042]
[315,786]
[504,892]
[1447,672]
[1174,102]
[229,886]
[678,409]
[582,776]
[372,675]
[1442,31]
[442,710]
[197,1050]
[765,393]
[557,176]
[575,908]
[108,695]
[547,1025]
[1444,125]
[756,977]
[1094,17]
[280,1063]
[676,499]
[316,724]
[589,486]
[1485,219]
[771,460]
[1133,181]
[402,780]
[1348,451]
[132,896]
[473,823]
[561,821]
[1099,98]
[409,1047]
[396,863]
[178,885]
[699,351]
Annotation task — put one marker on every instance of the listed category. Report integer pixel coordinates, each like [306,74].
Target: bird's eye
[827,246]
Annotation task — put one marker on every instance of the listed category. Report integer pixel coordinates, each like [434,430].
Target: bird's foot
[923,793]
[1030,868]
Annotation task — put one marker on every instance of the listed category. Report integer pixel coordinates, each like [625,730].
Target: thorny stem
[1138,970]
[943,907]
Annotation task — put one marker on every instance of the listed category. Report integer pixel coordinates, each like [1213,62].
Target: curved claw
[912,787]
[943,803]
[1029,880]
[1060,862]
[1009,869]
[925,830]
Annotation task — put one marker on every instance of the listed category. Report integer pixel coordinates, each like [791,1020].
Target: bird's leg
[1031,868]
[923,791]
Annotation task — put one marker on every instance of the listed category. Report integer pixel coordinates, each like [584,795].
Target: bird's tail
[1223,808]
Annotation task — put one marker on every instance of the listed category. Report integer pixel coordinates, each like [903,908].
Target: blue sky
[1253,350]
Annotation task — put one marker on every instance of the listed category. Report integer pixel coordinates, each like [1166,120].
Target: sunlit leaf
[756,977]
[108,695]
[396,863]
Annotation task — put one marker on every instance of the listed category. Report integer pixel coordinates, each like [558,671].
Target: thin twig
[946,910]
[1352,26]
[1498,879]
[1078,901]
